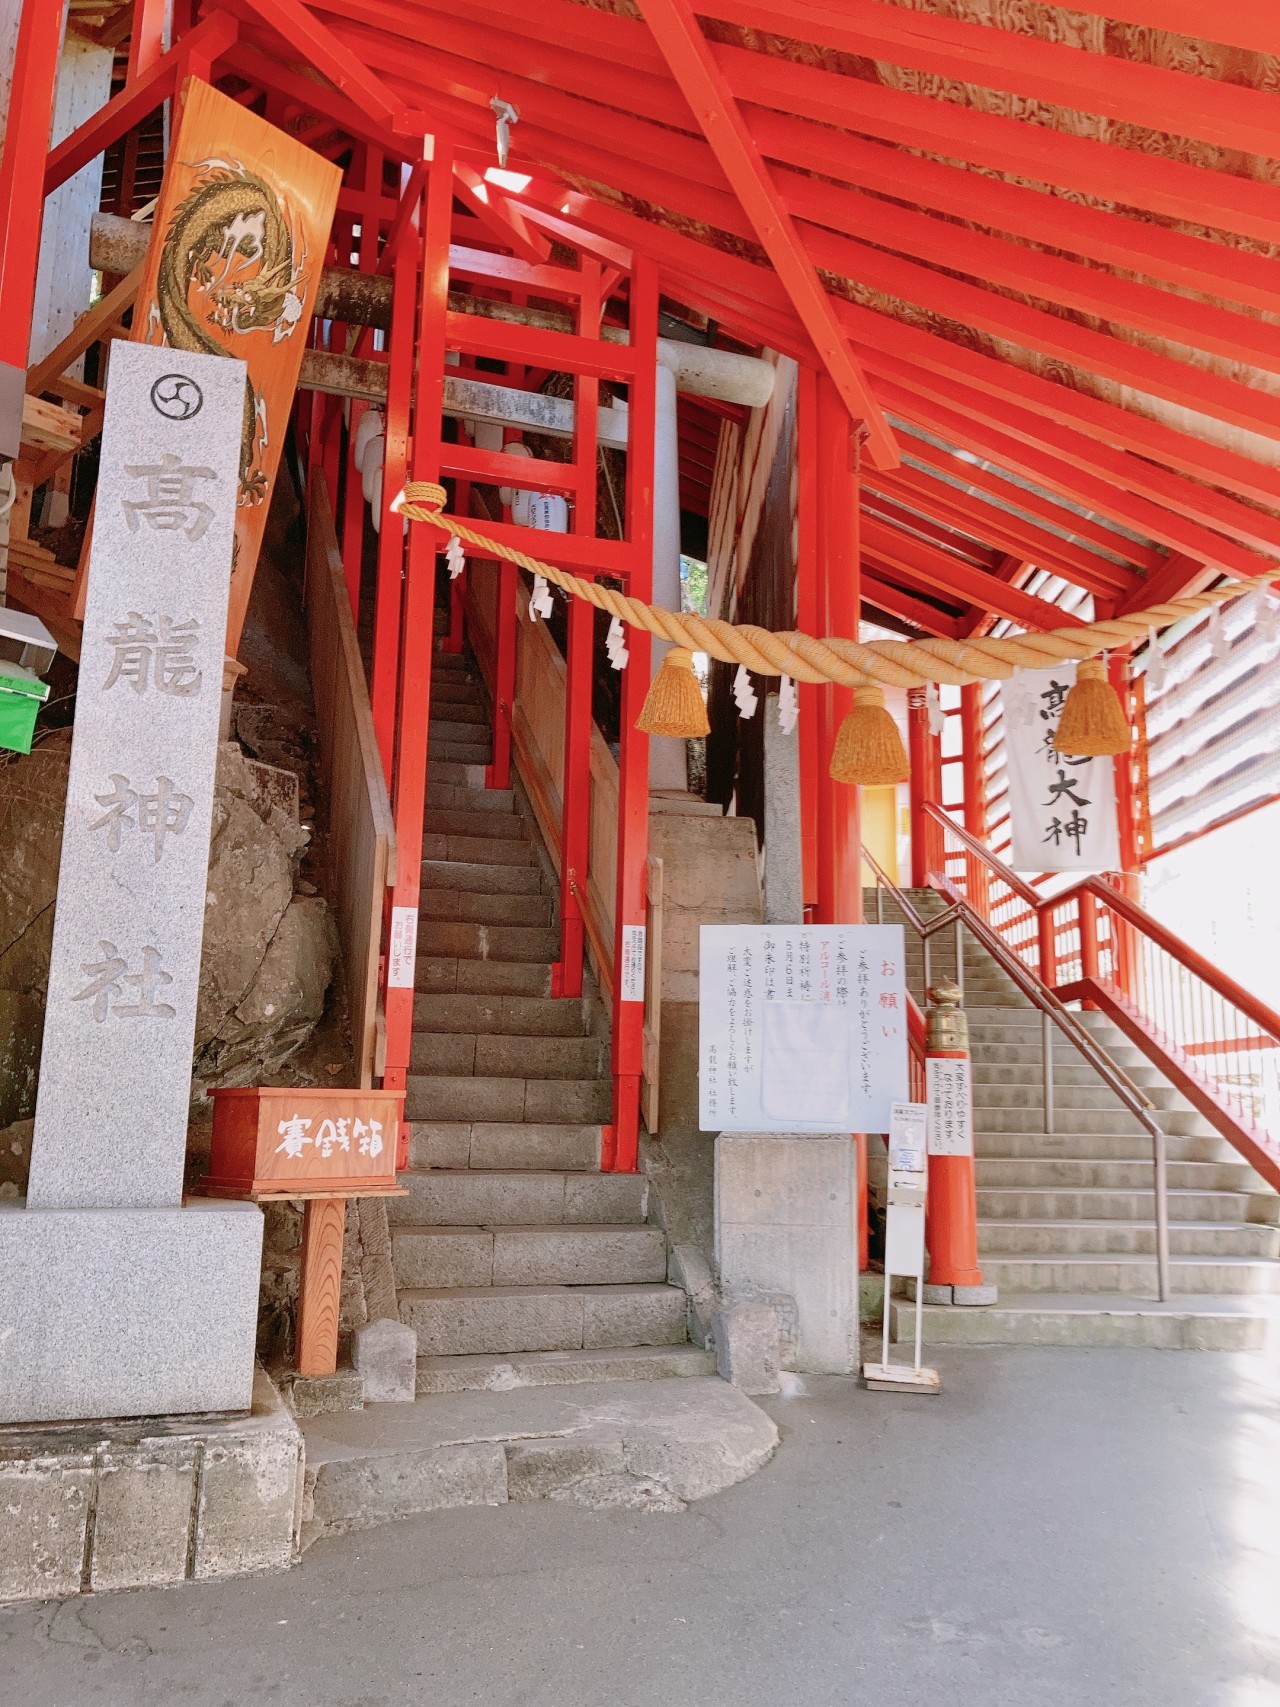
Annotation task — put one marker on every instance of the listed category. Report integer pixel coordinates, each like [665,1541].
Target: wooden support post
[977,877]
[320,1284]
[26,143]
[417,641]
[922,751]
[1126,970]
[631,908]
[391,547]
[498,772]
[809,613]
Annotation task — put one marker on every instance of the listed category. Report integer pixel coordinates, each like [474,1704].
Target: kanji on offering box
[270,1142]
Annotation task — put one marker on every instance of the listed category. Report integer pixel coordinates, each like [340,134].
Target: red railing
[1213,1039]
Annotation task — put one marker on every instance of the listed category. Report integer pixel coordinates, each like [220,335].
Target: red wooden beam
[250,59]
[146,36]
[1250,24]
[882,595]
[894,508]
[26,142]
[686,51]
[924,565]
[498,216]
[304,32]
[1226,115]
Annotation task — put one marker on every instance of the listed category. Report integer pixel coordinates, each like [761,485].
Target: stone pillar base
[127,1312]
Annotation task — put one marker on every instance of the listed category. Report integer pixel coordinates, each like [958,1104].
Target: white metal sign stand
[904,1246]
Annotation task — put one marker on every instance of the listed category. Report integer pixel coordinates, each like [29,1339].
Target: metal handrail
[960,916]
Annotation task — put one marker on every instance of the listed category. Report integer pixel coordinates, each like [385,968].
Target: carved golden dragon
[228,260]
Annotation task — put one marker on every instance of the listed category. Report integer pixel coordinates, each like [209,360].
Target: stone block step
[454,704]
[1073,1174]
[446,974]
[1083,1319]
[478,850]
[515,1016]
[473,907]
[1028,1075]
[440,770]
[441,1197]
[1101,1147]
[1126,1238]
[462,1321]
[588,1254]
[470,1097]
[506,1145]
[455,1054]
[1013,1203]
[509,826]
[479,879]
[468,753]
[1067,1097]
[1132,1275]
[561,1368]
[447,731]
[463,939]
[450,688]
[458,797]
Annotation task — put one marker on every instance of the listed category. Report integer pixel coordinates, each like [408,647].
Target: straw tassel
[674,704]
[1093,723]
[868,748]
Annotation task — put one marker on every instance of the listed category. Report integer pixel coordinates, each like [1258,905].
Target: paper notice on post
[803,1043]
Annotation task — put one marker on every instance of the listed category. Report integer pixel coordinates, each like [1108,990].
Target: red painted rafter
[303,32]
[1226,115]
[497,215]
[880,594]
[926,566]
[1250,24]
[685,49]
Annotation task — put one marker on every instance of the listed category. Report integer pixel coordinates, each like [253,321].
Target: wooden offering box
[305,1143]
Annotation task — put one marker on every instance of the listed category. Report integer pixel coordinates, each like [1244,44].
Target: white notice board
[802,1028]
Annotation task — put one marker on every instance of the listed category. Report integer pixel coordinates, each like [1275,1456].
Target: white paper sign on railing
[802,1028]
[1062,808]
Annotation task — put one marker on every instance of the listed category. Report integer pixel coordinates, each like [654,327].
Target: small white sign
[908,1123]
[802,1028]
[949,1088]
[402,960]
[633,953]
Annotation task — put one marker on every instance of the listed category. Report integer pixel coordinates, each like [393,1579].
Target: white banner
[1062,808]
[802,1028]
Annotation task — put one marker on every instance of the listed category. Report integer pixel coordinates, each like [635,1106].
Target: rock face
[269,955]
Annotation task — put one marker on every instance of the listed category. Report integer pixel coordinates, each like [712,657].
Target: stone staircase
[1065,1218]
[517,1261]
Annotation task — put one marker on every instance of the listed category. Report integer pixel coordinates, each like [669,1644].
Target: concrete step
[1014,1203]
[465,940]
[454,821]
[473,1197]
[1074,1174]
[470,1097]
[1101,1147]
[440,974]
[517,1016]
[1027,1073]
[1014,1119]
[480,879]
[1131,1275]
[441,770]
[479,850]
[1087,1319]
[458,797]
[454,704]
[454,1054]
[561,1368]
[1126,1238]
[469,907]
[587,1254]
[446,730]
[1067,1097]
[463,1321]
[505,1145]
[448,688]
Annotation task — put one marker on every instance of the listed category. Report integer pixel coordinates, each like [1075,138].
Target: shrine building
[638,682]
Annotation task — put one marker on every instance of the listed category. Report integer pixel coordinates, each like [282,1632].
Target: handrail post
[1161,1167]
[575,798]
[1046,932]
[1046,1043]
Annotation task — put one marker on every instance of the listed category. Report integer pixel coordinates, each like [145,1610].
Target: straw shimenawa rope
[850,663]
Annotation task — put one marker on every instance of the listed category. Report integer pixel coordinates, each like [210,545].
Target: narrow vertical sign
[115,1076]
[1062,807]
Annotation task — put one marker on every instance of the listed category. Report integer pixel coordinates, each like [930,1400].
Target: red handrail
[1019,886]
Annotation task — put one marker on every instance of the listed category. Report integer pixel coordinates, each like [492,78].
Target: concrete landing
[634,1445]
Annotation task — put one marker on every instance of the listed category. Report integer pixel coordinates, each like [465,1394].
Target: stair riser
[561,1368]
[440,1199]
[449,906]
[1204,1332]
[518,1145]
[446,975]
[443,874]
[1064,1205]
[503,826]
[463,753]
[1068,1099]
[1022,1239]
[1092,1146]
[1018,1119]
[487,942]
[1049,1173]
[478,850]
[521,1256]
[576,1102]
[456,797]
[514,1016]
[484,1056]
[1137,1277]
[460,1324]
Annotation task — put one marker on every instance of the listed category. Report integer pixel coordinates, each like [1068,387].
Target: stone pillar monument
[115,1299]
